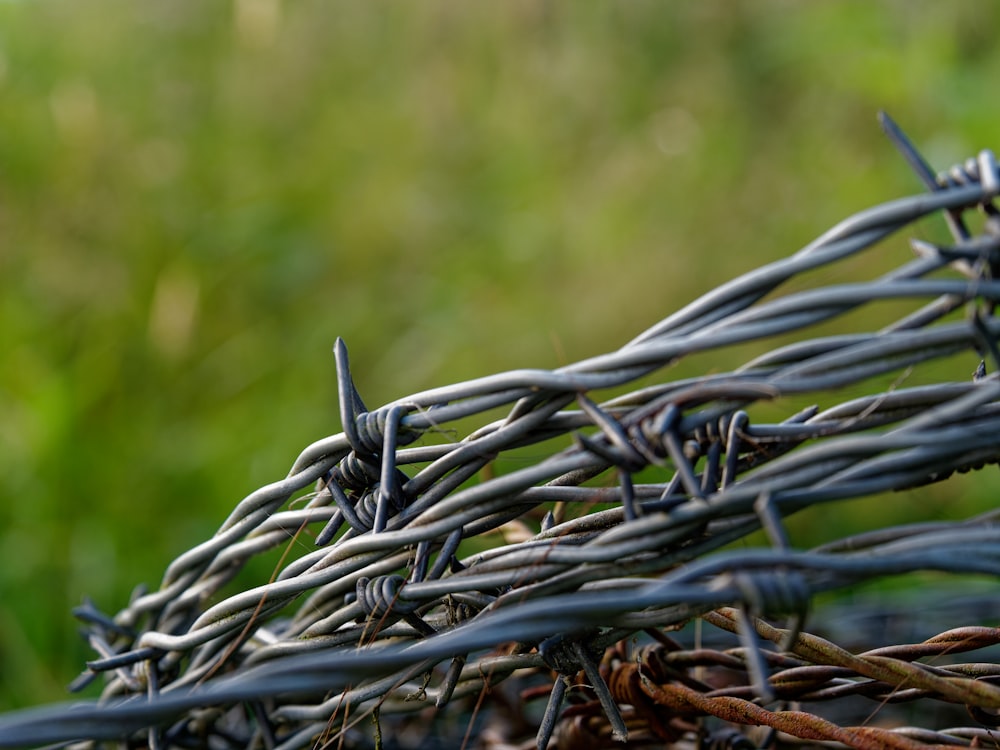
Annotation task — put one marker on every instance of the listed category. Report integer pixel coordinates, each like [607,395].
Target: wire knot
[773,591]
[355,474]
[562,653]
[379,597]
[371,428]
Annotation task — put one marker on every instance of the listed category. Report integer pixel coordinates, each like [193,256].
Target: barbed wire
[389,597]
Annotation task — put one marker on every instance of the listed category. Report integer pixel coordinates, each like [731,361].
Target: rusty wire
[392,612]
[672,689]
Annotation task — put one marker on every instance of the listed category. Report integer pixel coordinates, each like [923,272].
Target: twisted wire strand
[392,590]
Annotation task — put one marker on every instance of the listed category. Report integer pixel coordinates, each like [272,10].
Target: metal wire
[405,603]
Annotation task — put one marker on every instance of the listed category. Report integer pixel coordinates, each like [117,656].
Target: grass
[197,198]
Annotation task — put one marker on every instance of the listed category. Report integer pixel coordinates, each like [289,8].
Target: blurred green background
[197,197]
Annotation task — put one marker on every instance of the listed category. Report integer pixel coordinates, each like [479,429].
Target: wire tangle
[635,582]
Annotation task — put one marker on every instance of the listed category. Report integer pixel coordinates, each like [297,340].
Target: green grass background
[197,197]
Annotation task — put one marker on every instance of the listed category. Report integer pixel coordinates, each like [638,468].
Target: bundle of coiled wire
[406,600]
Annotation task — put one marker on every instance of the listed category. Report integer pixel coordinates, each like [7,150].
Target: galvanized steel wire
[393,607]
